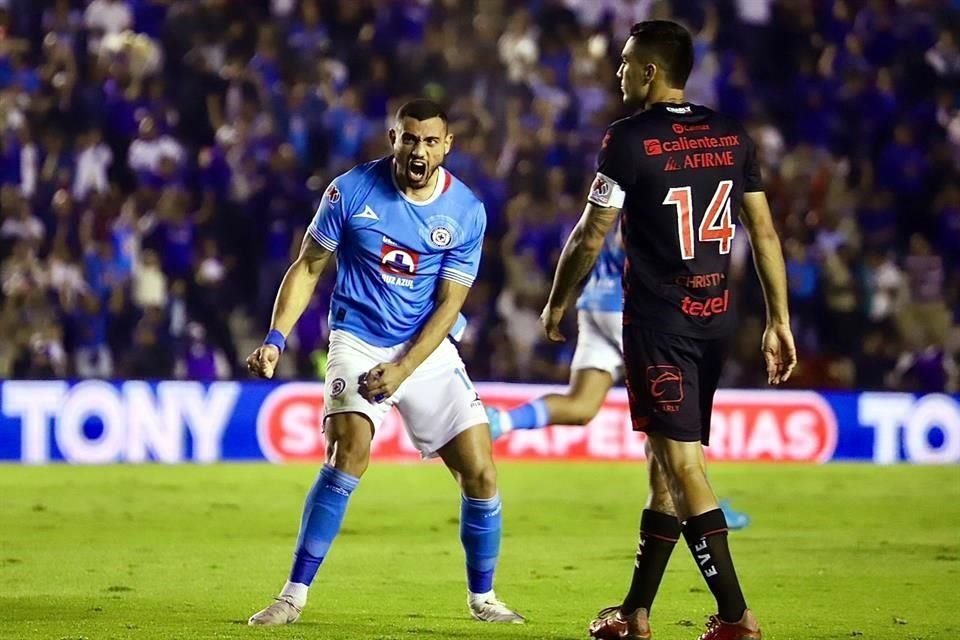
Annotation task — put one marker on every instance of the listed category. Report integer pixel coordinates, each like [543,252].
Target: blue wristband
[276,338]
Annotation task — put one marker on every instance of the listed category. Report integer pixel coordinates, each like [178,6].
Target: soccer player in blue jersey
[597,362]
[407,237]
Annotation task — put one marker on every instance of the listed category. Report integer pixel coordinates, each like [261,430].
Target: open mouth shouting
[417,170]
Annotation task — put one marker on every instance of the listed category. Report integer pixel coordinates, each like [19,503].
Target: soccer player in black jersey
[684,176]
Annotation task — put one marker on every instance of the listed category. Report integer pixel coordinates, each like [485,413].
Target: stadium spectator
[103,17]
[201,135]
[93,162]
[198,359]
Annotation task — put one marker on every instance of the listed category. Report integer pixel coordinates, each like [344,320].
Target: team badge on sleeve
[333,194]
[605,192]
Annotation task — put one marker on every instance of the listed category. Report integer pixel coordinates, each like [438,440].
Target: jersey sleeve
[616,169]
[752,179]
[328,221]
[461,263]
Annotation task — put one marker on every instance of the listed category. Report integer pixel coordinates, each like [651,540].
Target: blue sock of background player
[323,513]
[532,415]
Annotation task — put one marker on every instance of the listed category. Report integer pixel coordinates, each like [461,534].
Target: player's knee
[661,501]
[680,468]
[686,473]
[480,482]
[348,454]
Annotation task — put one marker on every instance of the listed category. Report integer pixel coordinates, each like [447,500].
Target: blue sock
[480,523]
[532,415]
[323,512]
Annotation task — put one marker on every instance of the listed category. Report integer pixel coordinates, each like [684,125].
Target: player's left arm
[779,351]
[459,268]
[576,261]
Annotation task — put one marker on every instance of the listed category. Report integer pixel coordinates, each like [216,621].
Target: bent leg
[576,407]
[348,455]
[588,389]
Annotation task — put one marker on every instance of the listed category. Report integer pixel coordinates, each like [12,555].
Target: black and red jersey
[679,172]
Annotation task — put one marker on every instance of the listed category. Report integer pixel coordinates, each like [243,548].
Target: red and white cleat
[613,625]
[717,629]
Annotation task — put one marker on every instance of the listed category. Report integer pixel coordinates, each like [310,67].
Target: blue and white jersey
[392,251]
[604,289]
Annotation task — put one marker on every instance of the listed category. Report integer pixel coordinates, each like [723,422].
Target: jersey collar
[441,186]
[674,106]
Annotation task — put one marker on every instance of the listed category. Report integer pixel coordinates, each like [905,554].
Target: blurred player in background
[407,237]
[597,362]
[678,171]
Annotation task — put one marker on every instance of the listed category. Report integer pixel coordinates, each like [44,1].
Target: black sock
[706,535]
[659,533]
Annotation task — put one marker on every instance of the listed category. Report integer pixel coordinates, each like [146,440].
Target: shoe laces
[609,611]
[289,602]
[714,622]
[493,601]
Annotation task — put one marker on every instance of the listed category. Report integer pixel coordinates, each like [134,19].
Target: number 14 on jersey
[717,224]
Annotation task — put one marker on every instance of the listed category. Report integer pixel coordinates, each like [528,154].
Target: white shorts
[599,342]
[437,402]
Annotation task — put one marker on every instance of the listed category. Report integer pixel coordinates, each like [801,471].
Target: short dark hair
[421,109]
[671,44]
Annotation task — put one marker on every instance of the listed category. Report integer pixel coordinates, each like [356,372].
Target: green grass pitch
[152,552]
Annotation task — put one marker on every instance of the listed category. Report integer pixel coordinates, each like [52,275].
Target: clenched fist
[263,361]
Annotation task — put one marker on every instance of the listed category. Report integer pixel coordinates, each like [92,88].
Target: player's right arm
[319,245]
[616,171]
[778,348]
[292,298]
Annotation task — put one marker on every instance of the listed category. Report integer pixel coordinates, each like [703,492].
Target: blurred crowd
[160,160]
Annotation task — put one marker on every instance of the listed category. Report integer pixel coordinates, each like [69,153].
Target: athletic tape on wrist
[276,338]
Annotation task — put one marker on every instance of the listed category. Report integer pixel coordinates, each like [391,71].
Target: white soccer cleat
[485,607]
[283,611]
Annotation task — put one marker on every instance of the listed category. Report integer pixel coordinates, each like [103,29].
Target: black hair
[421,109]
[672,46]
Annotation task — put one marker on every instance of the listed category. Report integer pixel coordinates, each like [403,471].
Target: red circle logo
[290,423]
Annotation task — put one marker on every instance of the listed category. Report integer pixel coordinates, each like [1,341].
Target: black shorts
[670,381]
